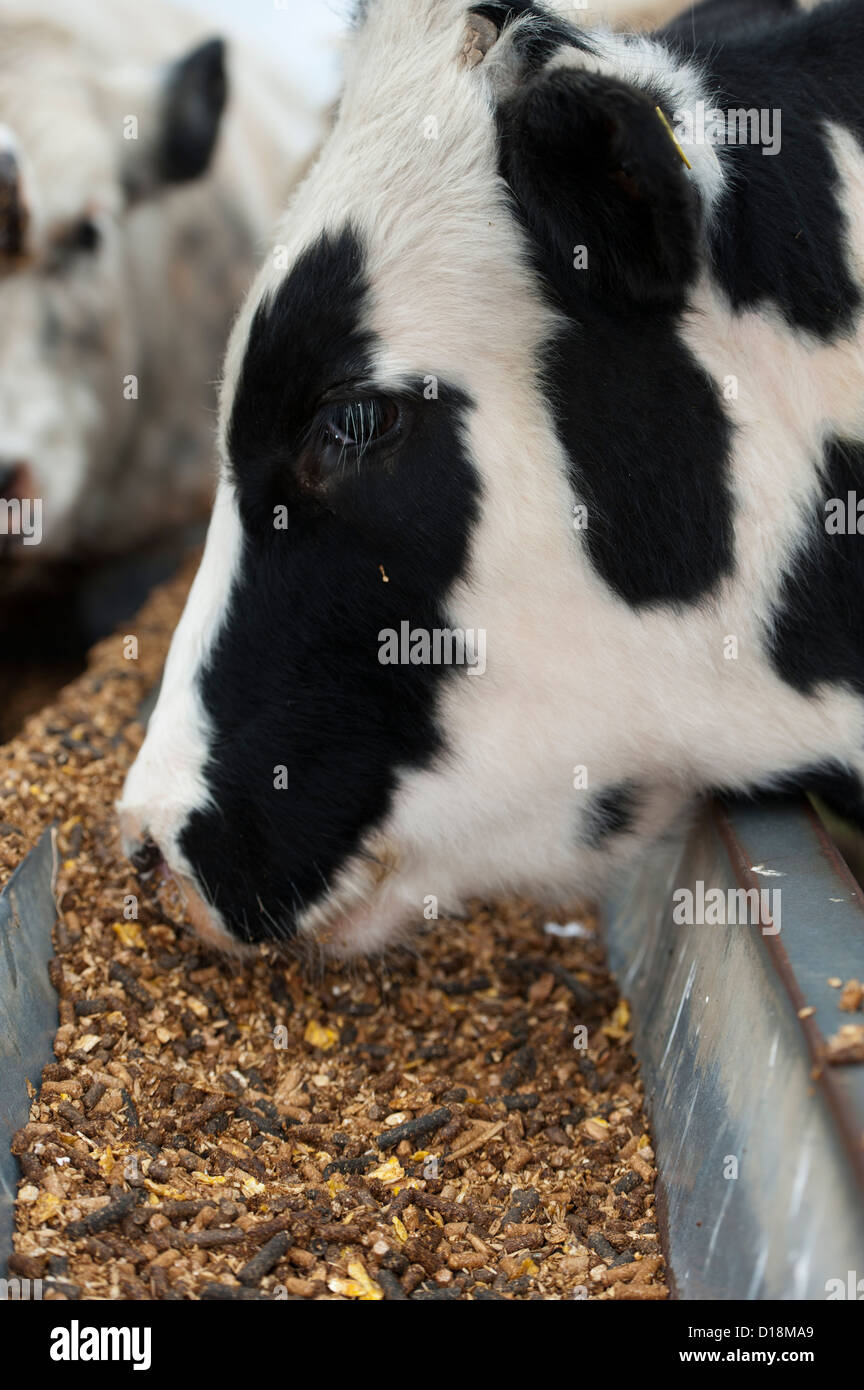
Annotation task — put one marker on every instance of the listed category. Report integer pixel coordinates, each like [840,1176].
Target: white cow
[141,166]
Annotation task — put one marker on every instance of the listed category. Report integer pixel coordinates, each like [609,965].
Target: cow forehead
[412,167]
[47,98]
[414,138]
[408,22]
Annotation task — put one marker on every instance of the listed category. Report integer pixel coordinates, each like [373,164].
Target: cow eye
[346,434]
[359,425]
[83,237]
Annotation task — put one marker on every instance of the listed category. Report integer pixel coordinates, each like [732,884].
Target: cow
[142,165]
[541,437]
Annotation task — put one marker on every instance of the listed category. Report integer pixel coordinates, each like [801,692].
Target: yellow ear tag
[670,132]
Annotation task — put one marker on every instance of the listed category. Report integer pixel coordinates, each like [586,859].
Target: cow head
[405,670]
[79,147]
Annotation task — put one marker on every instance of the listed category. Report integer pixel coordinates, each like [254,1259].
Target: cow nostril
[147,857]
[14,213]
[12,480]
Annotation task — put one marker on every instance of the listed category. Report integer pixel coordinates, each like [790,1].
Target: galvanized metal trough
[760,1142]
[28,1007]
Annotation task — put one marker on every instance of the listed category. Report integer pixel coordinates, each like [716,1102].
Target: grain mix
[463,1121]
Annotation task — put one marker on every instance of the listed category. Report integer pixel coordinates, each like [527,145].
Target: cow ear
[194,99]
[176,114]
[593,163]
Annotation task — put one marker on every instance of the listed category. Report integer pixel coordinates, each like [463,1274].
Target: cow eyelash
[359,425]
[345,433]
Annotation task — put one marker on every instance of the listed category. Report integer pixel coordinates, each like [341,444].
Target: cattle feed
[507,267]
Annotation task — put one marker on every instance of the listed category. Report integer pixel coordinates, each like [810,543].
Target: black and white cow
[536,361]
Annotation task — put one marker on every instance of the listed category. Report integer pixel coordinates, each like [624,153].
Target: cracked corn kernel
[320,1037]
[388,1172]
[358,1286]
[130,934]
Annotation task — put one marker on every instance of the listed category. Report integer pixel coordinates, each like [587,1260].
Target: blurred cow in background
[141,164]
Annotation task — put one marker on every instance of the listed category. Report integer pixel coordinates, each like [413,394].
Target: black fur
[818,629]
[648,445]
[295,679]
[502,13]
[193,103]
[589,163]
[611,811]
[841,790]
[778,235]
[589,155]
[718,20]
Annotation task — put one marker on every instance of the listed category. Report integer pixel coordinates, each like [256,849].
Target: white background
[301,36]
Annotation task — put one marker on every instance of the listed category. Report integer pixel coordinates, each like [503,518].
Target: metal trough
[28,1002]
[760,1143]
[28,1007]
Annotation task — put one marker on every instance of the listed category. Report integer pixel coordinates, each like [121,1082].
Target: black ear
[591,162]
[194,98]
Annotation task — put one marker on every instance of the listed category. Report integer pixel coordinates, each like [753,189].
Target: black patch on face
[648,445]
[641,422]
[611,811]
[295,679]
[778,234]
[818,629]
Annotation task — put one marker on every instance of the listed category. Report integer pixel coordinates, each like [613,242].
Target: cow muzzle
[152,868]
[14,212]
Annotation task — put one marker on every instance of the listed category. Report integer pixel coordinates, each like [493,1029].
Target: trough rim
[823,1075]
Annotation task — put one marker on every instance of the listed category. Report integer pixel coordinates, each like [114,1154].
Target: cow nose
[14,216]
[146,858]
[13,479]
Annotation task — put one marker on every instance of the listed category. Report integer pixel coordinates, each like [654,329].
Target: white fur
[166,779]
